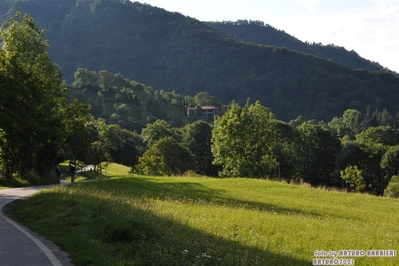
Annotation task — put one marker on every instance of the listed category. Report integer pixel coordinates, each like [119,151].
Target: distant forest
[255,31]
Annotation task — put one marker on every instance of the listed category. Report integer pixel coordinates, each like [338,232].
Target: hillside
[170,51]
[261,33]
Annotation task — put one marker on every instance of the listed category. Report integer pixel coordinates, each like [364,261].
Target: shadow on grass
[102,231]
[197,192]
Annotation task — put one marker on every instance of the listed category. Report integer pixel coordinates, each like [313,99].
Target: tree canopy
[31,100]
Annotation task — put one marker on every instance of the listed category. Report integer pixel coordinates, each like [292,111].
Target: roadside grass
[135,220]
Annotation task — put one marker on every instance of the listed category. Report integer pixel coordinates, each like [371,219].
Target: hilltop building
[208,112]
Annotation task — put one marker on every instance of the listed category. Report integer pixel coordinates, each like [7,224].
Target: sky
[369,27]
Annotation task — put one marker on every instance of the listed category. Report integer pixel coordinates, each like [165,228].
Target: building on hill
[207,112]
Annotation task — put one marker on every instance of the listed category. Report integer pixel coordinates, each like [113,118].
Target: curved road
[21,247]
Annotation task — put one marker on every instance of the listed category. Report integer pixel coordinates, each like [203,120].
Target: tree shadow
[197,192]
[140,237]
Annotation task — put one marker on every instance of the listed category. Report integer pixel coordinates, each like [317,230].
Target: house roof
[207,107]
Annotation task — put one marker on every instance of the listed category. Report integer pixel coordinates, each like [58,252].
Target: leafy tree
[165,157]
[367,152]
[287,151]
[85,78]
[336,126]
[319,149]
[203,99]
[392,190]
[97,153]
[77,139]
[156,131]
[390,164]
[120,144]
[352,120]
[381,136]
[31,99]
[354,177]
[243,140]
[197,137]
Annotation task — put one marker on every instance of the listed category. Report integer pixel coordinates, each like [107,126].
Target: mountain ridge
[258,32]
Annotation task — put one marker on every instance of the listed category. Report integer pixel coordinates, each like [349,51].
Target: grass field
[136,220]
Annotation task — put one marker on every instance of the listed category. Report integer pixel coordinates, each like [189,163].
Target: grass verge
[135,220]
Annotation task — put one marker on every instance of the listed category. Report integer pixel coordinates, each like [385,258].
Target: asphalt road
[21,247]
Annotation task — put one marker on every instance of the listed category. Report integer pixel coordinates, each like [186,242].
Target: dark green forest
[170,51]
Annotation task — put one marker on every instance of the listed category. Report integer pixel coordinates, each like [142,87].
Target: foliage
[242,141]
[197,138]
[354,177]
[77,138]
[392,190]
[203,99]
[390,161]
[156,131]
[165,157]
[31,101]
[319,149]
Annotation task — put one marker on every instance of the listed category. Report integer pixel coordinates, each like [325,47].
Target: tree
[287,150]
[392,190]
[31,100]
[352,120]
[165,157]
[381,136]
[156,131]
[319,149]
[354,177]
[203,98]
[85,78]
[77,141]
[197,138]
[243,140]
[390,164]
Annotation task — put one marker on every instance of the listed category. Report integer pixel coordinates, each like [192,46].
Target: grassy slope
[134,220]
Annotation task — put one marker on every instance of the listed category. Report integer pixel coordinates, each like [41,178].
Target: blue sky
[370,27]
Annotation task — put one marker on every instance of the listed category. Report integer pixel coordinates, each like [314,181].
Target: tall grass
[136,220]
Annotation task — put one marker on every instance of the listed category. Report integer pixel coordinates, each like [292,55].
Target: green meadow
[122,219]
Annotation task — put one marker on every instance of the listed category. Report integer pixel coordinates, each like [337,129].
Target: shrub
[392,189]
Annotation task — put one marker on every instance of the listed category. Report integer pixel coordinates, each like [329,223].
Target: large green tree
[197,138]
[31,99]
[77,140]
[243,141]
[156,131]
[165,157]
[319,149]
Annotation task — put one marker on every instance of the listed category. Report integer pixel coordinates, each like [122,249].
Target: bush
[392,189]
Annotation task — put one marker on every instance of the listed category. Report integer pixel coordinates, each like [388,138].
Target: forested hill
[261,33]
[170,51]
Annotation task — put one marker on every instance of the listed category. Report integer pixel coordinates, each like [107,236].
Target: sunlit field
[136,220]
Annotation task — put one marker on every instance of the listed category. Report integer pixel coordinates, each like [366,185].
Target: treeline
[355,152]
